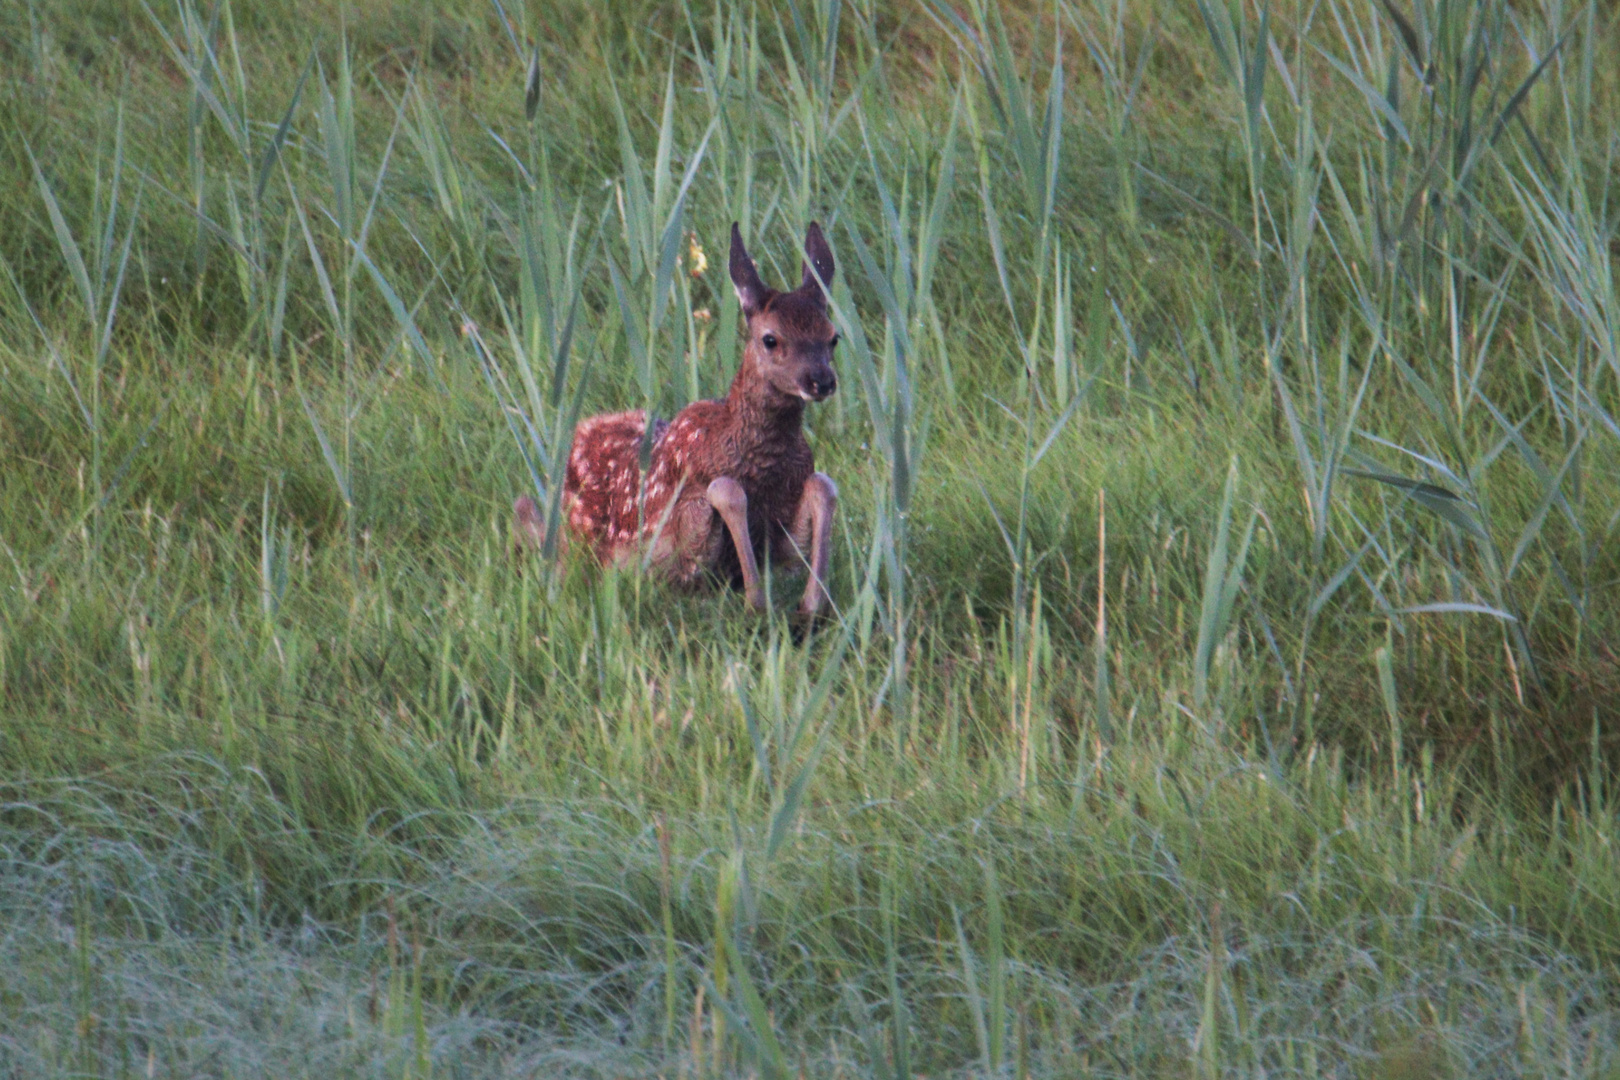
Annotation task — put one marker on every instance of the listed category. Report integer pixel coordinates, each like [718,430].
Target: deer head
[790,338]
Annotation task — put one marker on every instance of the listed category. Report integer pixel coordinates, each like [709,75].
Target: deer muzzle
[818,385]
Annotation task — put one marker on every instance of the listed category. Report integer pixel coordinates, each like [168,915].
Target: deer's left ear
[818,255]
[751,292]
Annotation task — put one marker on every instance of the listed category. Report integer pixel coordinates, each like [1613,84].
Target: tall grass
[1219,675]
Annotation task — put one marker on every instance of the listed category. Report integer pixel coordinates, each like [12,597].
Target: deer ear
[818,255]
[751,292]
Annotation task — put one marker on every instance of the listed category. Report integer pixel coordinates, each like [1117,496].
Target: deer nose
[819,386]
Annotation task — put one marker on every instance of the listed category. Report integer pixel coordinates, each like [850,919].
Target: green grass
[1223,668]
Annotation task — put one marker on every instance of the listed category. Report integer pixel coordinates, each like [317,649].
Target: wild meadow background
[1223,670]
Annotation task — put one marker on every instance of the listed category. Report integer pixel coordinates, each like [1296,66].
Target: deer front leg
[730,501]
[812,532]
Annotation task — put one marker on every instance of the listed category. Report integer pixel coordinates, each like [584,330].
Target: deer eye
[768,340]
[833,344]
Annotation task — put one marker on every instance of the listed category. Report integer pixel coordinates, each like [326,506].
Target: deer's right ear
[751,292]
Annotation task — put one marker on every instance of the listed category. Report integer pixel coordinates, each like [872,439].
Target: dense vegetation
[1223,669]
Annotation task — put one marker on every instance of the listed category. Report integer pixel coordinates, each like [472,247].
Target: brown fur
[753,437]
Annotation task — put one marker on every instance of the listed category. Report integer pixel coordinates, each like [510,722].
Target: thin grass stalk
[1122,78]
[219,88]
[1244,58]
[1031,128]
[1223,579]
[1101,686]
[99,299]
[653,224]
[1016,539]
[888,393]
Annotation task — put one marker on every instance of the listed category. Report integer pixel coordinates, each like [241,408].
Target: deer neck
[759,409]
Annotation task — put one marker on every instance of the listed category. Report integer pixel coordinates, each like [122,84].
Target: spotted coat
[764,450]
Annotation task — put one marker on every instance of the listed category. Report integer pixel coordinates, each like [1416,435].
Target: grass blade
[64,239]
[272,152]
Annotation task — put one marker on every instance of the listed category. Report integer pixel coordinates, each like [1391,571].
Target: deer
[732,483]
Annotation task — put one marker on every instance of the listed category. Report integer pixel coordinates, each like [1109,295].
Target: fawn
[731,483]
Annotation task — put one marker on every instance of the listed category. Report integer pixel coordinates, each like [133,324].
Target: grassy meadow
[1223,670]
